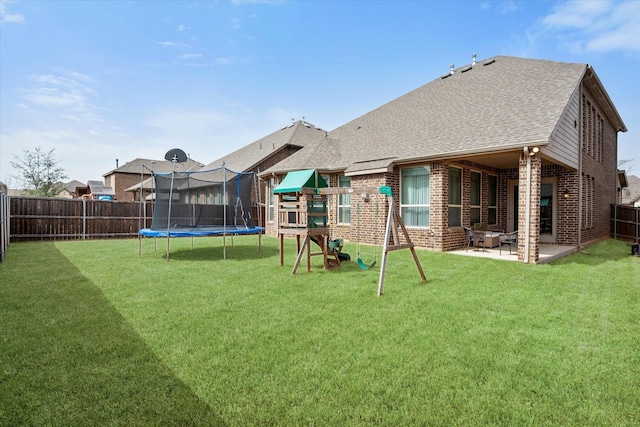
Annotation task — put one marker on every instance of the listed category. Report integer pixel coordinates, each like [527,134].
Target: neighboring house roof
[631,193]
[622,179]
[499,104]
[72,185]
[297,134]
[138,165]
[97,188]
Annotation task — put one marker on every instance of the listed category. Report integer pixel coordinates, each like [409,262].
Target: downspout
[527,217]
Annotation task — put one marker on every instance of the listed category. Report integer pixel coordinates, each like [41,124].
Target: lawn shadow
[70,358]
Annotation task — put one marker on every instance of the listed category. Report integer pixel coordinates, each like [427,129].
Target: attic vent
[489,63]
[445,76]
[464,70]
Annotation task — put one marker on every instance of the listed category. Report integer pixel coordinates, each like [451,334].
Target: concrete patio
[548,253]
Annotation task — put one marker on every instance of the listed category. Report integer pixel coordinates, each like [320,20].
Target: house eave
[471,152]
[597,89]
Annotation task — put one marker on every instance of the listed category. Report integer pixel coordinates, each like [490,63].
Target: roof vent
[451,67]
[473,59]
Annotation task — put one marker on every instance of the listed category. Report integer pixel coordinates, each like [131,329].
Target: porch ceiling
[501,160]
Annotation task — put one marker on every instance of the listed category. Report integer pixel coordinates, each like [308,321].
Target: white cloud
[67,92]
[190,55]
[5,16]
[168,43]
[507,7]
[596,26]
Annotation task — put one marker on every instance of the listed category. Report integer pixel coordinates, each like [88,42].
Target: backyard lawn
[93,334]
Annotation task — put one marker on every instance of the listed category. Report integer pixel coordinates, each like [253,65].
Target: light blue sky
[106,80]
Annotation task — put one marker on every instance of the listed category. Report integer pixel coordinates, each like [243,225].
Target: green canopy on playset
[295,181]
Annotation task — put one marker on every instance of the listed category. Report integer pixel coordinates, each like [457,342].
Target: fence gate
[625,223]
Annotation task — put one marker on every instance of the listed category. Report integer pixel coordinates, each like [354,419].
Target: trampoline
[214,202]
[200,231]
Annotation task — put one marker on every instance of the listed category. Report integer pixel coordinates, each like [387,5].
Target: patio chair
[508,239]
[478,237]
[468,238]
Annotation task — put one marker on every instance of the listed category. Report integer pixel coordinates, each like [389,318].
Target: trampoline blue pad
[200,231]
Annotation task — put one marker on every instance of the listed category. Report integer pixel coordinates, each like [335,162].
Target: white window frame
[404,207]
[477,207]
[450,205]
[490,206]
[344,201]
[271,201]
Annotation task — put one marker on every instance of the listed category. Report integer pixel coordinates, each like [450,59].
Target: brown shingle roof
[298,134]
[500,103]
[135,166]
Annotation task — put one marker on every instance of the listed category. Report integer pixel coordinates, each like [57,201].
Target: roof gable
[298,134]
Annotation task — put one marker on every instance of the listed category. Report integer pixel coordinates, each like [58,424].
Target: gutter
[580,153]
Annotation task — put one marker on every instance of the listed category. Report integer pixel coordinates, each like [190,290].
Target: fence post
[4,225]
[615,221]
[637,225]
[84,219]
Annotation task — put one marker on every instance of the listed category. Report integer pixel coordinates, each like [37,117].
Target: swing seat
[365,266]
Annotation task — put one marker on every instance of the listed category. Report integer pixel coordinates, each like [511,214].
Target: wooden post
[393,221]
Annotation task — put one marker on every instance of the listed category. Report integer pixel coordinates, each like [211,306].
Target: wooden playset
[303,211]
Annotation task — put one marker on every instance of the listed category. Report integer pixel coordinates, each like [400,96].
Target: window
[492,200]
[270,214]
[476,199]
[344,201]
[588,185]
[592,131]
[455,197]
[414,196]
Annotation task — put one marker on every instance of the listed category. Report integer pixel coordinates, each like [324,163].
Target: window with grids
[475,201]
[344,201]
[592,130]
[588,185]
[414,196]
[492,200]
[455,197]
[270,214]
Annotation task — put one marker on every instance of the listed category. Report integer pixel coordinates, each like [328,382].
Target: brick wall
[600,166]
[534,208]
[121,181]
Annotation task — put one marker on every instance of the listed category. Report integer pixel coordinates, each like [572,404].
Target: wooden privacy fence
[41,218]
[625,223]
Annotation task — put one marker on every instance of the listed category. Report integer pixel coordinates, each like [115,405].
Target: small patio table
[492,239]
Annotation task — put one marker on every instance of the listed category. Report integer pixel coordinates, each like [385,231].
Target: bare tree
[626,165]
[40,173]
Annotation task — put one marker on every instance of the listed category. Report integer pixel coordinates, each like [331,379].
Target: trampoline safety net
[203,201]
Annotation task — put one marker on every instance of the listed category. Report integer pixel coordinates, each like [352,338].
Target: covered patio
[547,254]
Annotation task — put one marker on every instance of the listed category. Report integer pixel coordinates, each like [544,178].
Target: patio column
[530,167]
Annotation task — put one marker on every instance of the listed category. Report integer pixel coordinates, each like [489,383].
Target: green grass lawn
[92,334]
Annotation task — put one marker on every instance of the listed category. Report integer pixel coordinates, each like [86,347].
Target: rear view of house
[517,144]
